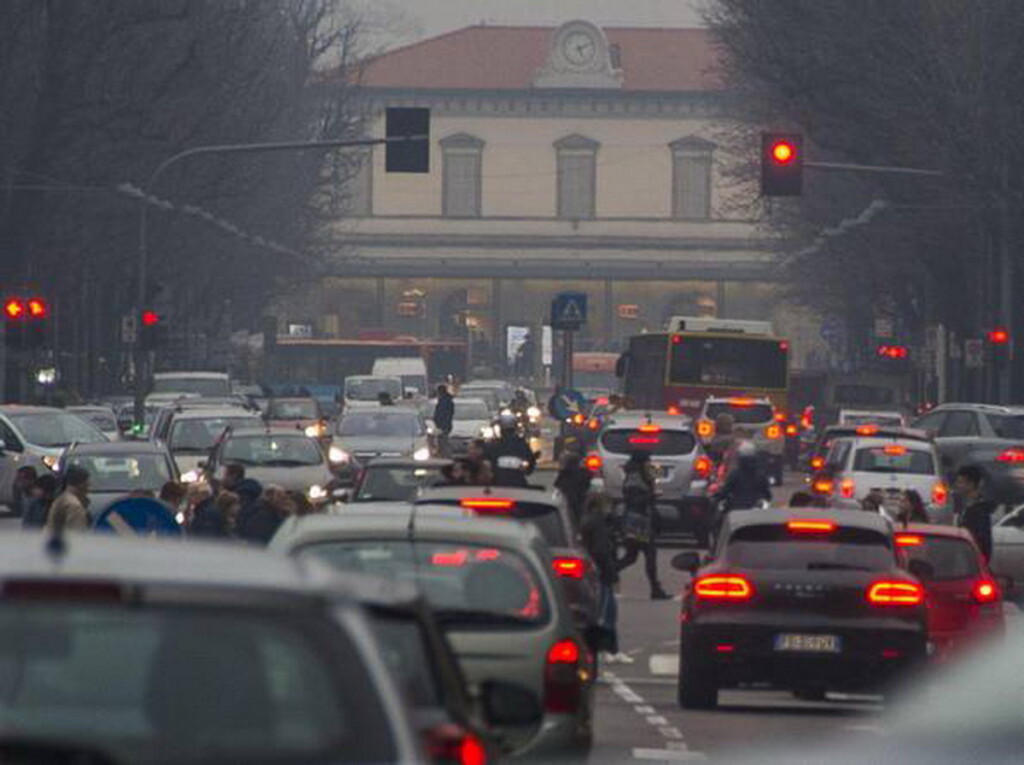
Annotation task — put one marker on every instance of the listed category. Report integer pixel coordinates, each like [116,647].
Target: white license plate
[808,643]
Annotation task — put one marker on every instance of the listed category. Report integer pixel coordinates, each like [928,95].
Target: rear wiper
[824,566]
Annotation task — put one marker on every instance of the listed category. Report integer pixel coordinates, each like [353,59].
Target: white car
[891,465]
[865,417]
[472,421]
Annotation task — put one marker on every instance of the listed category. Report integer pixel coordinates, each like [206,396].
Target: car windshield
[184,685]
[471,409]
[292,410]
[205,387]
[659,443]
[380,423]
[949,559]
[370,389]
[52,429]
[745,414]
[102,419]
[775,547]
[488,395]
[124,473]
[393,483]
[199,434]
[275,450]
[465,584]
[894,459]
[404,650]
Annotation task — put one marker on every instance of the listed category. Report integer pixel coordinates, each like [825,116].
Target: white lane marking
[670,731]
[664,664]
[644,710]
[657,720]
[669,755]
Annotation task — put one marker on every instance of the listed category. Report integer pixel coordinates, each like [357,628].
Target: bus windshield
[734,362]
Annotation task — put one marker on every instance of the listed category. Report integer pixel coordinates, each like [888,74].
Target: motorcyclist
[723,438]
[510,454]
[746,485]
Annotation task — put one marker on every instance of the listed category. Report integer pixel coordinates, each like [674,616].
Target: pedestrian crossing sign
[569,310]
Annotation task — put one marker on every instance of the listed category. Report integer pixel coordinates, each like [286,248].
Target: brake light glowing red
[817,463]
[484,503]
[569,568]
[452,559]
[792,430]
[1015,455]
[485,555]
[644,440]
[940,493]
[810,526]
[909,540]
[594,463]
[895,593]
[773,432]
[578,419]
[472,751]
[563,678]
[823,486]
[894,451]
[781,417]
[702,467]
[867,430]
[847,488]
[741,402]
[985,591]
[594,424]
[730,587]
[674,410]
[725,648]
[649,427]
[564,652]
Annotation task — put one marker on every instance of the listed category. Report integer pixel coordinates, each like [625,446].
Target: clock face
[579,48]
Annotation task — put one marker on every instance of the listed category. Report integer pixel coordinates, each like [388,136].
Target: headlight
[192,476]
[316,492]
[487,432]
[50,461]
[421,454]
[313,431]
[336,455]
[533,413]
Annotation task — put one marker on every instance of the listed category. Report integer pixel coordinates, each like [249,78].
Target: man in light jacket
[70,511]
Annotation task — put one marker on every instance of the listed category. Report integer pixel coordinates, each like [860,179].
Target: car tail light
[723,587]
[895,593]
[449,744]
[810,526]
[773,432]
[894,450]
[577,419]
[741,402]
[702,467]
[486,504]
[781,417]
[1014,455]
[674,410]
[649,427]
[705,429]
[488,554]
[594,463]
[985,591]
[644,440]
[940,493]
[817,463]
[594,423]
[847,488]
[563,682]
[569,567]
[867,430]
[909,540]
[452,559]
[823,486]
[792,430]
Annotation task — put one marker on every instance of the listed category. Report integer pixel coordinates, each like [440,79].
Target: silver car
[492,588]
[388,431]
[150,651]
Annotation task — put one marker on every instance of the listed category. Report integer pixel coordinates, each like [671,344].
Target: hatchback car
[491,586]
[811,602]
[103,417]
[158,652]
[682,467]
[120,468]
[192,433]
[389,431]
[39,434]
[756,417]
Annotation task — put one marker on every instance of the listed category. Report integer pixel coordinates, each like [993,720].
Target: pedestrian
[639,526]
[195,495]
[38,507]
[444,419]
[70,510]
[266,516]
[874,502]
[24,481]
[975,513]
[172,494]
[723,439]
[912,509]
[480,469]
[302,505]
[573,481]
[596,536]
[215,518]
[232,475]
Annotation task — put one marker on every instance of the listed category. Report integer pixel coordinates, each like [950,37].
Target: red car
[964,599]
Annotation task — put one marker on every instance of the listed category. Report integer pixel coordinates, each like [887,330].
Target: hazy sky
[413,19]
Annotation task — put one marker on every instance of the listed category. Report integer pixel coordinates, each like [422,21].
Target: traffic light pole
[142,371]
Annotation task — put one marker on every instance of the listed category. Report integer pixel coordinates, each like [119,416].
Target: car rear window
[467,585]
[950,559]
[774,546]
[545,518]
[293,410]
[404,649]
[1007,425]
[894,459]
[663,443]
[746,414]
[192,684]
[394,484]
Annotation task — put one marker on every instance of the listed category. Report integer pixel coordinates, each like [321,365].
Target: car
[368,388]
[490,396]
[103,417]
[805,600]
[281,457]
[160,426]
[965,602]
[548,512]
[395,479]
[683,469]
[472,421]
[491,586]
[38,435]
[818,451]
[119,468]
[890,465]
[867,417]
[149,650]
[192,433]
[389,431]
[299,413]
[755,416]
[984,435]
[1008,548]
[205,384]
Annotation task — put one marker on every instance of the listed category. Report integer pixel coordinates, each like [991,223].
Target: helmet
[507,421]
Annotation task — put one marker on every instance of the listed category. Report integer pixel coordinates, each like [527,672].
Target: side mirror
[921,569]
[509,704]
[686,561]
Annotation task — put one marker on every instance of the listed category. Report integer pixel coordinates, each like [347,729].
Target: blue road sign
[139,515]
[569,310]
[569,402]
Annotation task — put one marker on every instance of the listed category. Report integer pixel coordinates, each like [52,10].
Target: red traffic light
[893,351]
[999,336]
[14,308]
[150,318]
[783,152]
[37,308]
[782,164]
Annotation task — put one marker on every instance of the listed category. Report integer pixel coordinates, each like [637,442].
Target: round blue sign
[141,516]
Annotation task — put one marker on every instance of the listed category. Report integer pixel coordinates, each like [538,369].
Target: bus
[699,357]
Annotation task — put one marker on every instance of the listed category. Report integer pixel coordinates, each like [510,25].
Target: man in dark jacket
[444,417]
[975,513]
[510,455]
[747,484]
[573,481]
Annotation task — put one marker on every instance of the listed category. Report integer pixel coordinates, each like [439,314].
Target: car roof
[780,516]
[532,494]
[734,400]
[635,418]
[26,409]
[406,462]
[881,432]
[213,412]
[118,447]
[936,530]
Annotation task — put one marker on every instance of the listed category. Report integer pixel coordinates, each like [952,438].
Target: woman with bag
[638,522]
[597,539]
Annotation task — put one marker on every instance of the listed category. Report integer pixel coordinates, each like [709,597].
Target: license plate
[808,643]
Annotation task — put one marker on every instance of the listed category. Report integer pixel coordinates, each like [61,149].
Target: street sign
[547,346]
[129,328]
[138,516]
[569,402]
[974,353]
[569,310]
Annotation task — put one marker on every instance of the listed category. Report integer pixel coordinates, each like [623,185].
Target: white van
[411,371]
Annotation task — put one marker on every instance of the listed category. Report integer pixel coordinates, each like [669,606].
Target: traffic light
[782,164]
[894,352]
[152,330]
[999,341]
[407,156]
[26,322]
[999,336]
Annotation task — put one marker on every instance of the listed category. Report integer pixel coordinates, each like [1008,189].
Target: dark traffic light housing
[782,164]
[407,156]
[1000,343]
[152,330]
[26,322]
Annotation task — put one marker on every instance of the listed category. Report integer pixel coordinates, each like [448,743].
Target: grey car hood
[291,478]
[379,444]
